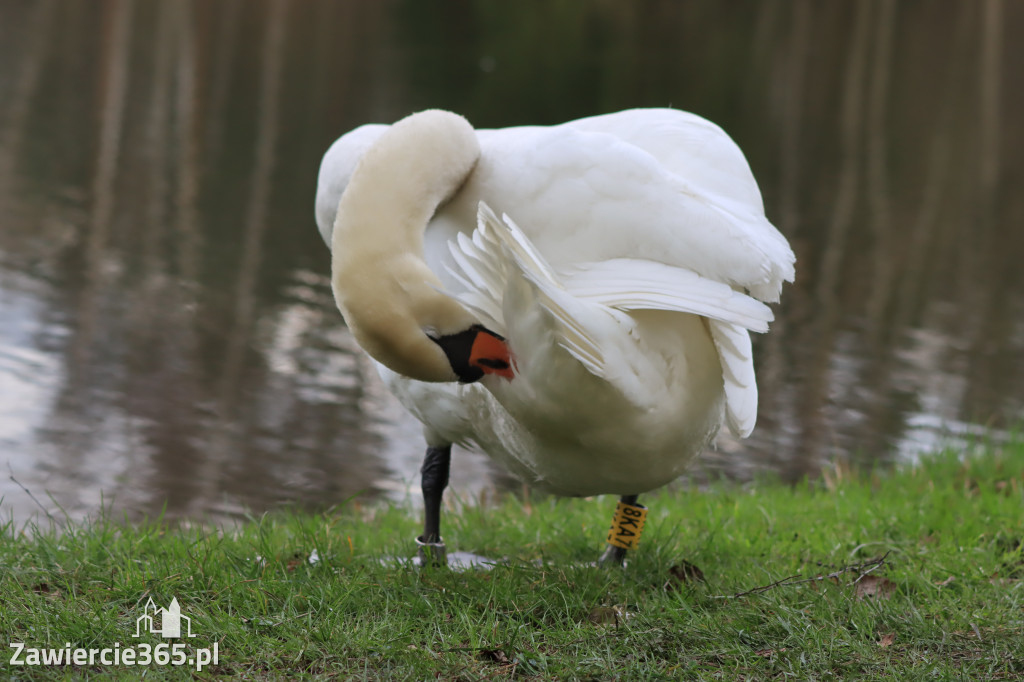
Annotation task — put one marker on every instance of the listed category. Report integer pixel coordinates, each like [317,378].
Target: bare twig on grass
[863,568]
[29,493]
[791,580]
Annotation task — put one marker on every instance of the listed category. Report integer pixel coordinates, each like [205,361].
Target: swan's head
[476,352]
[407,324]
[391,300]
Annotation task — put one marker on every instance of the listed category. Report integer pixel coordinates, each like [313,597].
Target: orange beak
[491,355]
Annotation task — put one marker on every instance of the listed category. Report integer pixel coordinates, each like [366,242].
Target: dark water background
[167,333]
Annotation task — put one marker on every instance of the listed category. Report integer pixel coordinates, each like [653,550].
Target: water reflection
[168,336]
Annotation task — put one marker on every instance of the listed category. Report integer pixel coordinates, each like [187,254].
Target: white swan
[594,338]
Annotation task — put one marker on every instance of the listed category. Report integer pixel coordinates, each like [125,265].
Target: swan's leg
[434,479]
[625,533]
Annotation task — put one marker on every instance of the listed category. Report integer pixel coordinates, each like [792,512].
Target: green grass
[951,602]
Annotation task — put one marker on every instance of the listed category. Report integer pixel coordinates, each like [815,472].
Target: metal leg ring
[431,553]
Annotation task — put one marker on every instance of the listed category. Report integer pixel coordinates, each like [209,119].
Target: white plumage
[624,257]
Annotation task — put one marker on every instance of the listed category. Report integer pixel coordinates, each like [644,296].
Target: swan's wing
[626,284]
[657,185]
[631,284]
[686,145]
[707,164]
[499,256]
[581,301]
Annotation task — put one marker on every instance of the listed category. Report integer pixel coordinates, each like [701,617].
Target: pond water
[168,339]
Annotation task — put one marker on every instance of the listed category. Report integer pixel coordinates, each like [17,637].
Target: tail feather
[737,358]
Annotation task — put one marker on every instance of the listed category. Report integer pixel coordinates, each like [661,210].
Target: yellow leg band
[627,525]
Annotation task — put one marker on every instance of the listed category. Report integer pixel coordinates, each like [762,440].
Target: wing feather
[633,284]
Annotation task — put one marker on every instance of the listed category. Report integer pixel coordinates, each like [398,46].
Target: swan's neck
[390,299]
